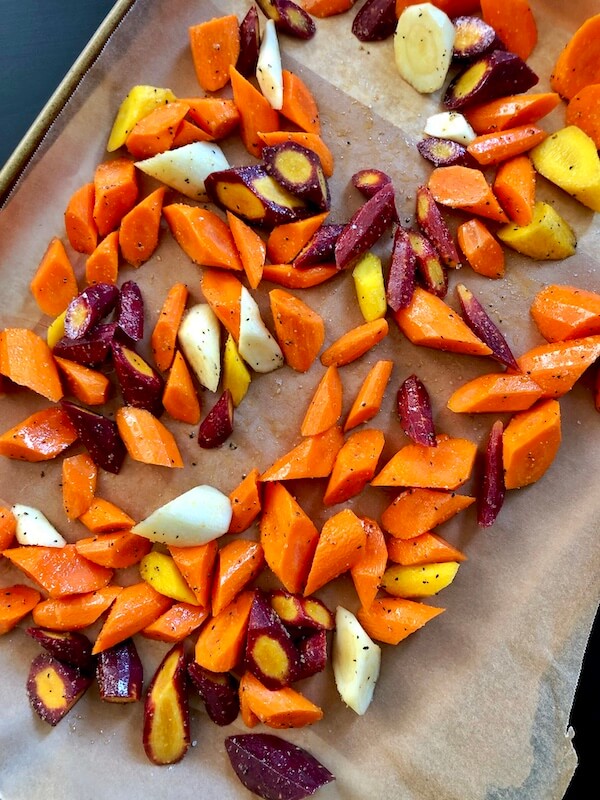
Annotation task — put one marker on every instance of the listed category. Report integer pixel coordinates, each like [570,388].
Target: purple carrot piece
[91,350]
[70,647]
[268,634]
[401,277]
[140,385]
[99,435]
[375,21]
[249,43]
[433,274]
[313,654]
[480,323]
[474,38]
[370,181]
[218,691]
[88,308]
[130,311]
[53,687]
[491,496]
[321,247]
[432,223]
[414,410]
[120,673]
[217,425]
[445,153]
[365,227]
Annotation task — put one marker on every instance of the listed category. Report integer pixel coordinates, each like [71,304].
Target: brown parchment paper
[476,704]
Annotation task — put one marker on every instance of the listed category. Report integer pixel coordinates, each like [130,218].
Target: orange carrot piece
[134,608]
[26,359]
[481,249]
[251,248]
[299,105]
[140,227]
[155,132]
[294,278]
[164,334]
[340,547]
[312,458]
[354,466]
[578,64]
[238,563]
[59,571]
[54,284]
[325,407]
[514,186]
[215,47]
[430,322]
[115,193]
[79,475]
[300,331]
[496,392]
[146,438]
[203,236]
[220,645]
[223,292]
[248,716]
[117,550]
[416,511]
[180,398]
[447,465]
[514,23]
[465,188]
[370,395]
[188,133]
[102,266]
[392,619]
[355,343]
[105,517]
[530,442]
[510,111]
[196,565]
[311,140]
[176,624]
[492,148]
[15,603]
[287,240]
[80,227]
[87,385]
[368,570]
[217,116]
[256,114]
[278,708]
[583,110]
[74,612]
[288,536]
[558,365]
[245,502]
[566,312]
[426,548]
[326,8]
[8,527]
[42,436]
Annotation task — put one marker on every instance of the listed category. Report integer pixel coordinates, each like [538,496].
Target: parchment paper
[476,704]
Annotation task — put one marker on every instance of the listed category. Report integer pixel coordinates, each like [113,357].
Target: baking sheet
[476,704]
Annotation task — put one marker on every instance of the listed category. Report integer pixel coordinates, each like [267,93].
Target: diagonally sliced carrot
[134,608]
[164,334]
[76,611]
[312,458]
[238,563]
[180,398]
[287,240]
[447,465]
[368,570]
[54,284]
[219,646]
[416,511]
[43,435]
[146,438]
[79,474]
[105,517]
[354,466]
[251,248]
[299,329]
[392,619]
[15,603]
[196,564]
[203,235]
[114,550]
[140,227]
[255,112]
[79,220]
[215,46]
[426,548]
[355,343]
[341,544]
[325,407]
[245,502]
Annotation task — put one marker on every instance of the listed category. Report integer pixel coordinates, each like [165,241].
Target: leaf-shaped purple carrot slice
[275,769]
[414,410]
[480,323]
[401,277]
[491,496]
[130,311]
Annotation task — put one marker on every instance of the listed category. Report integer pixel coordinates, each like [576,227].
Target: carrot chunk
[140,227]
[514,23]
[117,550]
[566,312]
[54,284]
[341,544]
[312,458]
[176,624]
[495,393]
[354,466]
[116,192]
[146,438]
[557,366]
[368,570]
[370,395]
[251,248]
[88,385]
[220,645]
[245,502]
[467,189]
[102,266]
[492,148]
[295,278]
[299,105]
[325,407]
[223,292]
[510,111]
[287,240]
[217,116]
[578,64]
[238,563]
[583,110]
[416,511]
[15,603]
[277,708]
[196,565]
[42,436]
[8,527]
[26,359]
[180,398]
[426,548]
[447,465]
[203,236]
[79,474]
[355,343]
[256,114]
[134,608]
[482,250]
[299,329]
[215,46]
[288,536]
[105,517]
[392,619]
[156,132]
[59,571]
[164,333]
[514,186]
[530,443]
[80,227]
[74,612]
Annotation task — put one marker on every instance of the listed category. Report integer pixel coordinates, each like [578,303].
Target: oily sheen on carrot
[465,188]
[118,550]
[54,284]
[292,277]
[325,407]
[146,438]
[514,23]
[563,312]
[510,111]
[416,511]
[176,624]
[43,435]
[326,8]
[80,227]
[583,110]
[156,132]
[530,443]
[341,544]
[164,334]
[218,116]
[223,292]
[102,265]
[514,186]
[238,563]
[557,366]
[196,565]
[313,457]
[89,386]
[493,148]
[245,502]
[288,536]
[578,64]
[115,193]
[482,250]
[368,571]
[79,475]
[76,611]
[277,708]
[203,236]
[135,607]
[220,643]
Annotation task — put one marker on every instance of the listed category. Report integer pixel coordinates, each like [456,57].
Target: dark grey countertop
[39,41]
